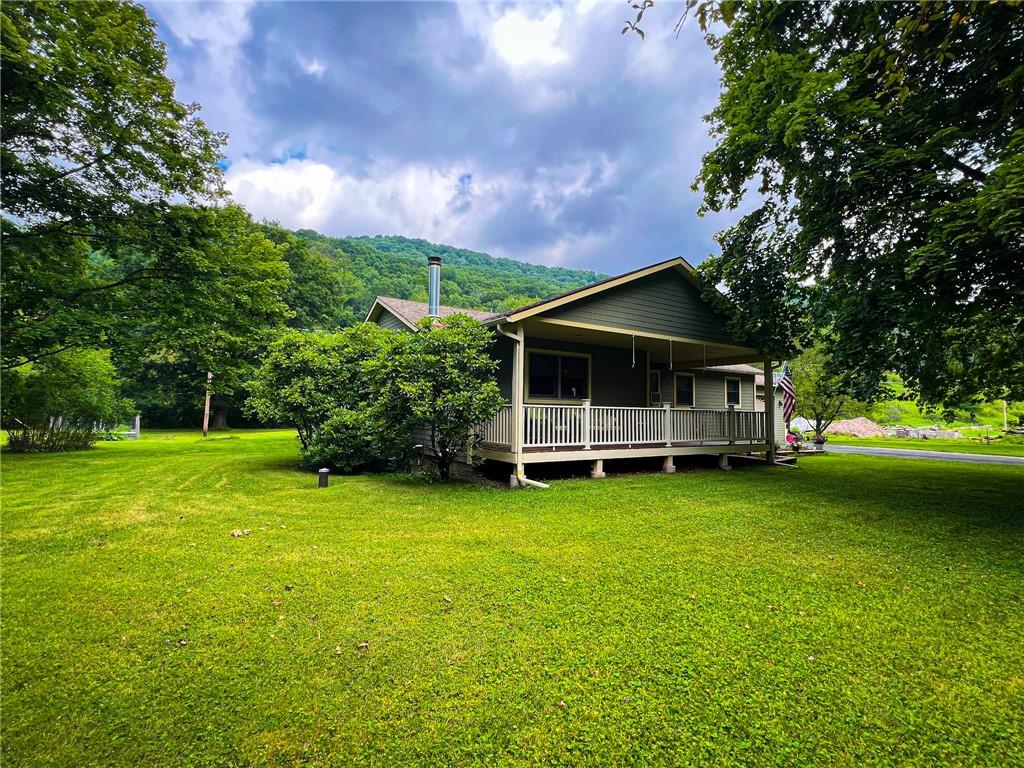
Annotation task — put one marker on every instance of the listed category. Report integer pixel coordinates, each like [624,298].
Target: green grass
[858,610]
[1001,447]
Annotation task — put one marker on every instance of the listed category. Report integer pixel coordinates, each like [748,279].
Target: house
[638,365]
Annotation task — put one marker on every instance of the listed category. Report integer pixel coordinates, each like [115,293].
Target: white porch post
[667,424]
[586,424]
[518,418]
[769,412]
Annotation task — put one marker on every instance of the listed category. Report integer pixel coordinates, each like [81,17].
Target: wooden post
[667,424]
[769,412]
[586,424]
[731,424]
[206,408]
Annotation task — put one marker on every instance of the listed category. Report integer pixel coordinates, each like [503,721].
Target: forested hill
[397,266]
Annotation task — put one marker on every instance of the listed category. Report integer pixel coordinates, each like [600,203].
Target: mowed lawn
[855,611]
[1000,447]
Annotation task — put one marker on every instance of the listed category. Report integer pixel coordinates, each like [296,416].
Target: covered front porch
[582,393]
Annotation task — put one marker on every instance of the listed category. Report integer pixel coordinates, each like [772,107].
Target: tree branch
[40,356]
[967,170]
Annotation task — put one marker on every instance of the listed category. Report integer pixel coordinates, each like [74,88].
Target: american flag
[788,394]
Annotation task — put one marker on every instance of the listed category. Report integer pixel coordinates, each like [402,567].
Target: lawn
[1000,447]
[857,610]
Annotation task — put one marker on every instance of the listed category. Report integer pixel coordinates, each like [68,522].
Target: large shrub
[57,402]
[440,383]
[320,384]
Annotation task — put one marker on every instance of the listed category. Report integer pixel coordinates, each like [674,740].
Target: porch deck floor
[624,446]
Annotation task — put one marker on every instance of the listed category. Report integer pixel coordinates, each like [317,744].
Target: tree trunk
[220,417]
[444,467]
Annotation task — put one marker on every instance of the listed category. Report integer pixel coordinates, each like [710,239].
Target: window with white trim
[686,390]
[732,392]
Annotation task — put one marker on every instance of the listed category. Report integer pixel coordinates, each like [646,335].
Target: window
[543,375]
[654,387]
[686,386]
[558,377]
[732,392]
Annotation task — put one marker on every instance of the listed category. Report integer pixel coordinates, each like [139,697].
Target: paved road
[911,453]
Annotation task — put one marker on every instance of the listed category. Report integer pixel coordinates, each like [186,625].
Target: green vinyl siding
[665,303]
[388,320]
[709,388]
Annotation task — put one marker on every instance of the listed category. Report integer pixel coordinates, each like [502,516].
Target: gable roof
[678,263]
[411,312]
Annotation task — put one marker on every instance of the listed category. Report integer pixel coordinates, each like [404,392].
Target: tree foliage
[57,403]
[884,146]
[439,382]
[321,384]
[397,266]
[821,395]
[92,133]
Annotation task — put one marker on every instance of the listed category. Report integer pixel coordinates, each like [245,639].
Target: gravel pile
[859,427]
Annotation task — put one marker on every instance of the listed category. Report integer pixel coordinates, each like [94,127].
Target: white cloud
[313,66]
[417,200]
[220,25]
[407,199]
[521,42]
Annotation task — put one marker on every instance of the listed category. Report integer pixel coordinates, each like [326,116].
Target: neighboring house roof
[747,369]
[411,312]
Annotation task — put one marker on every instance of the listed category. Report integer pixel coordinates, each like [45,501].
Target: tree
[92,133]
[55,404]
[103,173]
[821,395]
[321,384]
[887,144]
[318,288]
[438,382]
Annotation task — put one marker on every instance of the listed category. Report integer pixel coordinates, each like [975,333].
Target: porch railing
[586,426]
[499,429]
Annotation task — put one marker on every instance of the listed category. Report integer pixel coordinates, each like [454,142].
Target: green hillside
[397,266]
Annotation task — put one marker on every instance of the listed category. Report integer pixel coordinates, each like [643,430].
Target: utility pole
[206,408]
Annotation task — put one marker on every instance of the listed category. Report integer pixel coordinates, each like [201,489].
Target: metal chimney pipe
[434,286]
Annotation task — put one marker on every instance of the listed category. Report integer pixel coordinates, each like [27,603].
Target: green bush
[58,403]
[320,384]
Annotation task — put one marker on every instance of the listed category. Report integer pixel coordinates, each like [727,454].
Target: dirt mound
[859,427]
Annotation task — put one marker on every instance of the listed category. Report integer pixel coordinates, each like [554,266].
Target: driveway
[911,453]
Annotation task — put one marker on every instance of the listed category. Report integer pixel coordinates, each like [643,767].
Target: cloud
[532,131]
[521,41]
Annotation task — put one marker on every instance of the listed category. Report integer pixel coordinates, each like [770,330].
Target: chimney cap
[433,259]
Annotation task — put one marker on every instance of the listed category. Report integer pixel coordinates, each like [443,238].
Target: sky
[533,131]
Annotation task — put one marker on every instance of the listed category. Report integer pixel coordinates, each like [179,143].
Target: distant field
[853,611]
[954,445]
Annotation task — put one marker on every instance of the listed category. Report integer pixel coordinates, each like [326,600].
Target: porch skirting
[547,455]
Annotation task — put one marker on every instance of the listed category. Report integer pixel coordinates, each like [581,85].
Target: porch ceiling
[685,352]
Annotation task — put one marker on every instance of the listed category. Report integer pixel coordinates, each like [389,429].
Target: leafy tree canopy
[439,381]
[54,404]
[883,145]
[92,132]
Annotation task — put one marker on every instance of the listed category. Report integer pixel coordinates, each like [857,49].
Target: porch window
[558,377]
[654,387]
[685,390]
[732,392]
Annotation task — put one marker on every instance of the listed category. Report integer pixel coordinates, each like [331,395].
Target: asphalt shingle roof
[414,311]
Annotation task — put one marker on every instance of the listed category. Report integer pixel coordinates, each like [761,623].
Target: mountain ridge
[395,265]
